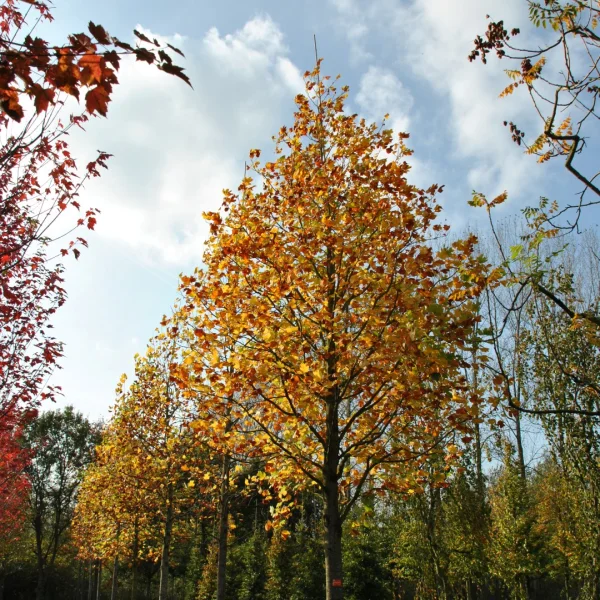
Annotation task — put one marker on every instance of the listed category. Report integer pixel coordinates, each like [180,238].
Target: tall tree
[62,443]
[151,427]
[344,323]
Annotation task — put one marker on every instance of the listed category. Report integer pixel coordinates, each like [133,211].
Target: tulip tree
[151,427]
[219,425]
[344,326]
[112,512]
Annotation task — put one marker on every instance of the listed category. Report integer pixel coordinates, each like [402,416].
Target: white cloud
[380,93]
[250,48]
[352,21]
[176,149]
[432,41]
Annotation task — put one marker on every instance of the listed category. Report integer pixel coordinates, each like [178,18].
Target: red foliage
[39,180]
[14,484]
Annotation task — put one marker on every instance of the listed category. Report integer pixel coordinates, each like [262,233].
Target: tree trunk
[90,582]
[113,591]
[164,562]
[333,521]
[39,592]
[80,580]
[99,580]
[37,525]
[333,539]
[135,559]
[223,530]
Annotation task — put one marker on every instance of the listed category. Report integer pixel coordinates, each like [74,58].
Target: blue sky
[175,148]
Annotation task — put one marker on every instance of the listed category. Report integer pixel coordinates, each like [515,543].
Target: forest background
[483,532]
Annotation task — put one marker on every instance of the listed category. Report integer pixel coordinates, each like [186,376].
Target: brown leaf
[164,57]
[42,97]
[113,58]
[81,43]
[122,45]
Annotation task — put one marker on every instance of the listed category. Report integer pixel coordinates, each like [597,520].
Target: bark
[203,539]
[41,584]
[80,580]
[99,580]
[135,558]
[41,570]
[333,521]
[333,549]
[113,591]
[90,582]
[164,562]
[223,530]
[2,579]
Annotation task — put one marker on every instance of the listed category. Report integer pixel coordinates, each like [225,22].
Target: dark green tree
[62,443]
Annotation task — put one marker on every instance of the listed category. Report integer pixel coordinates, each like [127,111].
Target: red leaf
[76,252]
[96,100]
[43,97]
[145,55]
[99,33]
[175,70]
[92,66]
[176,50]
[141,36]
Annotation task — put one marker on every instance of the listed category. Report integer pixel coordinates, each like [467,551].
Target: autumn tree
[14,492]
[40,180]
[514,552]
[112,513]
[151,425]
[219,425]
[344,324]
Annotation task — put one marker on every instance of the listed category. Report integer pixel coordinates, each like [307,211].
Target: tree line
[338,403]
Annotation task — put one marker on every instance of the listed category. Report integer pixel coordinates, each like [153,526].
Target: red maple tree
[39,182]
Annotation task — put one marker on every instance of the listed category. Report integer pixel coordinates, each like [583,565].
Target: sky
[176,148]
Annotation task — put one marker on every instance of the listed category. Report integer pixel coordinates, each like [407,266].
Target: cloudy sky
[176,148]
